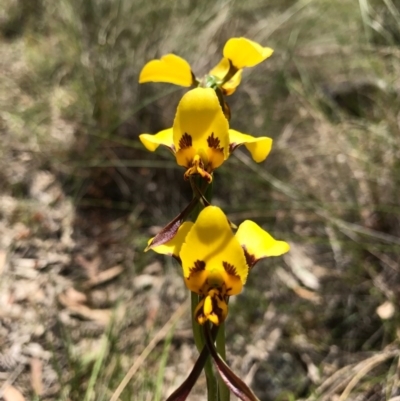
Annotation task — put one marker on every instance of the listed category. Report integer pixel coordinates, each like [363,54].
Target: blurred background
[80,196]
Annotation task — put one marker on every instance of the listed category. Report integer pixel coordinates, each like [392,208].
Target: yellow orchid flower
[200,137]
[238,53]
[215,261]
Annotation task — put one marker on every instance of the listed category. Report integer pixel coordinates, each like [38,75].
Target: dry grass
[79,301]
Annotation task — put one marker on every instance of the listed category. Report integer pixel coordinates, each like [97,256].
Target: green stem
[197,331]
[198,185]
[212,383]
[223,390]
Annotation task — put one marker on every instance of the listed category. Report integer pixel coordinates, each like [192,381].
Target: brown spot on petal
[199,265]
[230,269]
[250,259]
[214,142]
[185,141]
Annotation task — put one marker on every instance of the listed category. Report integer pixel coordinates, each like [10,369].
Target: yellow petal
[170,68]
[211,255]
[152,142]
[230,86]
[257,243]
[221,69]
[245,53]
[259,148]
[173,247]
[201,128]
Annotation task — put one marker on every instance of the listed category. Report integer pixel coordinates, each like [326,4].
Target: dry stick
[142,357]
[11,379]
[340,380]
[332,380]
[369,364]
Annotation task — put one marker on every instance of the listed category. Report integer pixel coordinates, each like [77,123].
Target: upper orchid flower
[215,261]
[238,53]
[200,137]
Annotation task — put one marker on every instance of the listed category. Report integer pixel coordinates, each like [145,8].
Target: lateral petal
[257,243]
[152,142]
[259,147]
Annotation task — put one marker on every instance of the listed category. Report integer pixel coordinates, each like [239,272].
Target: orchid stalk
[215,256]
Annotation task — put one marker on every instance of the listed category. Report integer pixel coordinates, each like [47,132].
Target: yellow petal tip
[169,69]
[245,53]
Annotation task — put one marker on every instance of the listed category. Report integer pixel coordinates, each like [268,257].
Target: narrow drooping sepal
[171,229]
[257,243]
[234,383]
[182,392]
[170,69]
[197,192]
[174,245]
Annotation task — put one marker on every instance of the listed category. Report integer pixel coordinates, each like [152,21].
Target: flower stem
[223,390]
[197,332]
[200,188]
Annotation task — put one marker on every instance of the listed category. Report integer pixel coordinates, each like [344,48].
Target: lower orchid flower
[215,261]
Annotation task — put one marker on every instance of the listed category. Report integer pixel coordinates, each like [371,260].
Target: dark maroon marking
[214,142]
[191,163]
[185,141]
[250,259]
[199,265]
[232,147]
[216,310]
[230,269]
